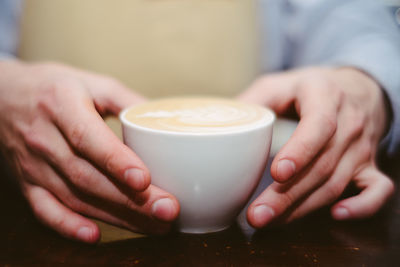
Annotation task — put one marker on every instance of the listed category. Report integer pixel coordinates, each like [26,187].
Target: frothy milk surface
[198,115]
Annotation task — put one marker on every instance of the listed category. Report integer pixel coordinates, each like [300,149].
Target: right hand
[343,116]
[68,163]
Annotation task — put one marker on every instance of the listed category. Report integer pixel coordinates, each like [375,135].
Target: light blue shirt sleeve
[9,18]
[358,33]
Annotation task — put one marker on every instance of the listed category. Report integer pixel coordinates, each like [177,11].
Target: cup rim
[126,123]
[271,117]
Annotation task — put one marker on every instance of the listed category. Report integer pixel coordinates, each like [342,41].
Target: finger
[58,217]
[147,212]
[158,219]
[376,190]
[155,217]
[355,156]
[274,90]
[281,199]
[85,130]
[111,96]
[318,108]
[84,176]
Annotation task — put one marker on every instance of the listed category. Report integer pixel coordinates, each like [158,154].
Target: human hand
[68,162]
[342,118]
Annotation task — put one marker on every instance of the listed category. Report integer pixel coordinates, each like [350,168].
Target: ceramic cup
[212,174]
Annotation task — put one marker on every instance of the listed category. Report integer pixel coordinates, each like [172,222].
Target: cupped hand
[69,164]
[342,116]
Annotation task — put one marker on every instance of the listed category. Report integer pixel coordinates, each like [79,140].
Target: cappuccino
[198,115]
[201,150]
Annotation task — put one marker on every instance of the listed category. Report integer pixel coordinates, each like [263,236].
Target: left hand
[68,163]
[342,119]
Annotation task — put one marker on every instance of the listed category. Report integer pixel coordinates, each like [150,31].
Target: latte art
[207,115]
[198,115]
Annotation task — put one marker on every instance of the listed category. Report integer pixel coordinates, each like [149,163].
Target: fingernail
[262,214]
[135,178]
[84,233]
[341,213]
[163,209]
[285,169]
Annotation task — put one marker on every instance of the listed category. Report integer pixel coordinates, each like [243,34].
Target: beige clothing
[157,47]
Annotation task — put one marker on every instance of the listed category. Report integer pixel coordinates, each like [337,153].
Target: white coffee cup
[212,173]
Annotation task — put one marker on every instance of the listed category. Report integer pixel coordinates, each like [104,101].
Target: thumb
[376,190]
[119,97]
[111,96]
[276,91]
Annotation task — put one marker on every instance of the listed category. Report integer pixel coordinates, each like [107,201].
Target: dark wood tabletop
[316,240]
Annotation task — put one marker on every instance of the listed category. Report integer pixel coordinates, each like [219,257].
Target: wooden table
[316,240]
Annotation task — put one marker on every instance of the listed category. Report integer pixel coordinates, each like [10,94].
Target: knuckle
[77,135]
[45,104]
[325,168]
[110,160]
[286,200]
[130,204]
[330,122]
[68,199]
[60,222]
[73,203]
[279,197]
[84,178]
[333,192]
[35,141]
[365,152]
[27,168]
[357,124]
[48,100]
[339,95]
[79,178]
[79,206]
[38,209]
[306,148]
[390,186]
[55,86]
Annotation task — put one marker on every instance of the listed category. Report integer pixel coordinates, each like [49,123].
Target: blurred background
[394,7]
[156,47]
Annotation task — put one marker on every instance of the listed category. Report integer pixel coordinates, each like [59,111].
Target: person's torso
[156,47]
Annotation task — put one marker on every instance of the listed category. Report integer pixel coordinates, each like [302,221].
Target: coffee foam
[198,115]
